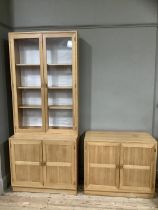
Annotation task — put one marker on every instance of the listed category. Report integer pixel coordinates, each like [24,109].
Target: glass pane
[59,50]
[28,83]
[59,97]
[30,118]
[28,76]
[60,76]
[27,51]
[59,71]
[60,118]
[31,97]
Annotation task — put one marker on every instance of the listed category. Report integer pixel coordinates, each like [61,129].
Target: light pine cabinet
[44,81]
[120,163]
[38,165]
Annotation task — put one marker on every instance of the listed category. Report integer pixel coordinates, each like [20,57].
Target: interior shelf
[29,107]
[60,88]
[29,87]
[23,64]
[60,107]
[59,65]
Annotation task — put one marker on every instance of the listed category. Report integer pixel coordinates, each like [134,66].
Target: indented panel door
[59,164]
[26,158]
[102,166]
[137,167]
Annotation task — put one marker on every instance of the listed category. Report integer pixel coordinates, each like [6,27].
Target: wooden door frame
[89,187]
[73,145]
[152,169]
[13,163]
[12,38]
[62,34]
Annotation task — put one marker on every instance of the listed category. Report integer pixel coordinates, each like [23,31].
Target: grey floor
[47,201]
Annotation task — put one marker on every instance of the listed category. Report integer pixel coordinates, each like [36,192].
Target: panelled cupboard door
[137,167]
[101,166]
[26,62]
[59,164]
[26,158]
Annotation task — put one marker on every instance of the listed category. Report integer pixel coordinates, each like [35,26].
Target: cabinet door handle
[43,163]
[121,166]
[117,166]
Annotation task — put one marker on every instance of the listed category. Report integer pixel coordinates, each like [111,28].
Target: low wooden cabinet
[43,164]
[120,163]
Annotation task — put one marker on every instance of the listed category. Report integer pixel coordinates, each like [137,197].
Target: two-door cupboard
[44,81]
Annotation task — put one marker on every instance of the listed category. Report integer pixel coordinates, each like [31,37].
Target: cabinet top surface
[41,32]
[119,136]
[44,136]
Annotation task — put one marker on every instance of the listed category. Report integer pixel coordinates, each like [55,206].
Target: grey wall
[5,96]
[121,74]
[75,12]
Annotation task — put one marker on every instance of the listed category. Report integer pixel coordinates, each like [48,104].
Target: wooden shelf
[29,87]
[60,88]
[59,127]
[29,107]
[60,107]
[30,127]
[59,65]
[22,64]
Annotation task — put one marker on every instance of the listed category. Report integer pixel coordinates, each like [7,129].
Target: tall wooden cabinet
[44,77]
[120,163]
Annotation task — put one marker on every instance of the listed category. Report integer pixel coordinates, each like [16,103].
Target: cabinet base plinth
[121,194]
[55,191]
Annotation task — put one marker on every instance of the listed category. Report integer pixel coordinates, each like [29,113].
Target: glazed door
[59,164]
[26,60]
[102,166]
[137,167]
[60,74]
[26,159]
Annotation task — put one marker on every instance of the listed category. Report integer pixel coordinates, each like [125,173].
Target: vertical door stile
[42,80]
[45,85]
[118,167]
[74,95]
[153,168]
[12,152]
[13,78]
[44,162]
[41,161]
[73,169]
